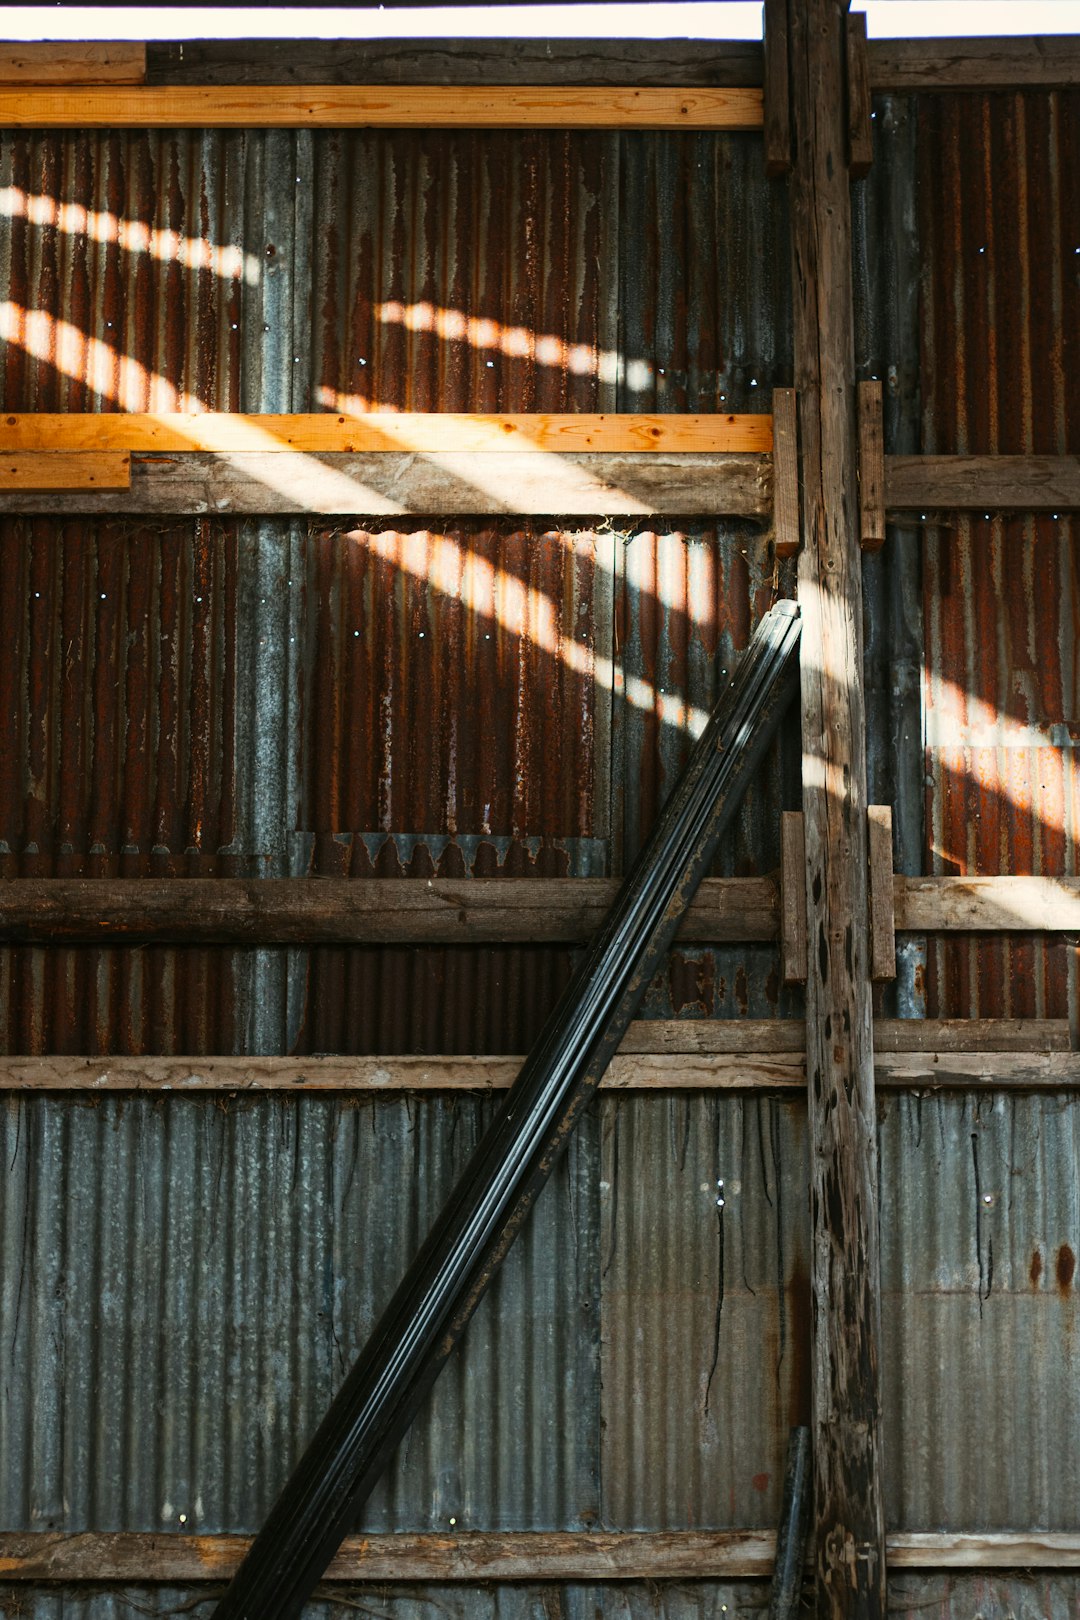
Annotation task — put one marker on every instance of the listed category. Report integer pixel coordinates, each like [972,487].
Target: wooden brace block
[860,137]
[777,90]
[871,467]
[60,470]
[328,431]
[785,434]
[793,958]
[882,914]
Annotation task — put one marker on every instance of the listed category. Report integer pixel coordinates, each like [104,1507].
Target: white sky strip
[681,19]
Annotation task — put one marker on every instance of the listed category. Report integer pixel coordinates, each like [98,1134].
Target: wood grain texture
[996,905]
[420,432]
[36,472]
[607,484]
[314,106]
[740,1070]
[1046,61]
[574,1555]
[591,62]
[882,903]
[793,965]
[312,911]
[326,911]
[983,483]
[860,131]
[845,1267]
[777,85]
[56,62]
[785,430]
[871,464]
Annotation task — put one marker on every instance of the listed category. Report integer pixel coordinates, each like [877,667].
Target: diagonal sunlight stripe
[522,610]
[229,262]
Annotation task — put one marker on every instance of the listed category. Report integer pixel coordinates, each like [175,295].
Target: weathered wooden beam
[307,911]
[1049,61]
[56,62]
[845,1280]
[661,1055]
[314,106]
[987,904]
[793,898]
[871,463]
[882,899]
[983,483]
[30,472]
[860,131]
[592,62]
[464,911]
[777,89]
[785,491]
[139,1557]
[668,1071]
[377,431]
[607,484]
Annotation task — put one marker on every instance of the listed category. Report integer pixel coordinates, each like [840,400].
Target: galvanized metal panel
[1000,222]
[184,1285]
[912,1595]
[704,1307]
[980,1218]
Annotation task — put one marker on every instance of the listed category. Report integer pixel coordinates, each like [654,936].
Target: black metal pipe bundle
[518,1151]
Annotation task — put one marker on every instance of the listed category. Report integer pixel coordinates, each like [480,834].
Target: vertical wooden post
[845,1285]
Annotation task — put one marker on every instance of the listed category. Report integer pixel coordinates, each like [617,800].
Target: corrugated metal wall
[184,1284]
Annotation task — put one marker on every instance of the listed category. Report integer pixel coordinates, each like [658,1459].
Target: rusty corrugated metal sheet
[1000,225]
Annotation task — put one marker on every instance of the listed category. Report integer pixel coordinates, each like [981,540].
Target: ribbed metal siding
[705,1311]
[980,1221]
[184,1285]
[1000,225]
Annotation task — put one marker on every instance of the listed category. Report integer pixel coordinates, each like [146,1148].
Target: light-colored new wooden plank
[860,136]
[785,431]
[395,482]
[792,898]
[421,432]
[983,483]
[882,914]
[871,464]
[1009,905]
[56,62]
[474,1556]
[382,107]
[36,471]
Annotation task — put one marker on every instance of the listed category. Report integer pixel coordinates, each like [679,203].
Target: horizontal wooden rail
[314,106]
[471,911]
[610,484]
[895,64]
[668,1071]
[88,62]
[1045,61]
[421,432]
[983,483]
[515,1556]
[34,471]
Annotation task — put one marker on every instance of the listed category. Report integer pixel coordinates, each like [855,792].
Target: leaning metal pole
[514,1158]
